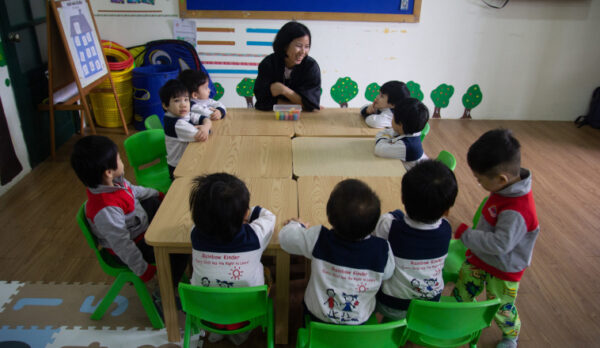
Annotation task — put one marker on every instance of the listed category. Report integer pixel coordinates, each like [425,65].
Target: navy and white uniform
[179,131]
[201,107]
[405,147]
[235,264]
[345,275]
[419,250]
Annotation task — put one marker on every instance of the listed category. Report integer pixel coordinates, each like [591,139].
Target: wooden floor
[559,296]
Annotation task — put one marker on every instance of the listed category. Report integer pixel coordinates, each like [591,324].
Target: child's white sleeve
[198,110]
[262,222]
[185,131]
[384,224]
[298,240]
[386,147]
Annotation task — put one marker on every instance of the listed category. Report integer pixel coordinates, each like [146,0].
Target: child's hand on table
[202,134]
[216,115]
[298,220]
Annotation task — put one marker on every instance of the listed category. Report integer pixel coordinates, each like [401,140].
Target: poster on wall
[82,40]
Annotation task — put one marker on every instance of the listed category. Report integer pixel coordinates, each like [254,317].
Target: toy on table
[287,112]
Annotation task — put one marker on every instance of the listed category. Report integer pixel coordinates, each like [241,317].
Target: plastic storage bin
[147,81]
[287,112]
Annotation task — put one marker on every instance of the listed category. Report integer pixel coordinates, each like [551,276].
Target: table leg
[282,297]
[167,294]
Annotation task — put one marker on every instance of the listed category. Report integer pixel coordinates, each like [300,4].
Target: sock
[214,337]
[239,338]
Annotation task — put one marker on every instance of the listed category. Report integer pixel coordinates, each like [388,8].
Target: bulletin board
[333,10]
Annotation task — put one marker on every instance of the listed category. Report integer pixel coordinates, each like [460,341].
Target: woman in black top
[289,76]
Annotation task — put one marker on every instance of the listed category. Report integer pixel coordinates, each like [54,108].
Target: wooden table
[170,230]
[314,191]
[247,156]
[335,156]
[252,122]
[334,122]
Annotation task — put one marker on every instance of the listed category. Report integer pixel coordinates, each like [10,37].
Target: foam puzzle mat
[58,315]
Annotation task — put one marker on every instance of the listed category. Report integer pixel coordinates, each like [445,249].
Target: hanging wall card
[83,42]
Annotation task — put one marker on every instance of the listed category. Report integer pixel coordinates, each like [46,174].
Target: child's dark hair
[218,203]
[396,91]
[429,189]
[172,89]
[411,114]
[494,152]
[290,31]
[192,79]
[91,157]
[353,209]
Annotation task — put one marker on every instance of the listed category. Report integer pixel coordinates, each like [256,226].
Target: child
[379,114]
[348,264]
[226,229]
[403,140]
[196,82]
[501,245]
[180,127]
[419,238]
[117,211]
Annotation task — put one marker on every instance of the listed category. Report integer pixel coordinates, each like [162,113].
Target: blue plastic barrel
[147,81]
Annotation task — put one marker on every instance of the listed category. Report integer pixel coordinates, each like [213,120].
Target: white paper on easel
[65,93]
[185,29]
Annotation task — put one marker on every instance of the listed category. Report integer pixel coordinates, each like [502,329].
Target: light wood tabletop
[248,156]
[333,122]
[170,230]
[314,191]
[243,121]
[335,156]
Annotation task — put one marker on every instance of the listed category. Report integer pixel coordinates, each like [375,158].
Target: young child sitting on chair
[181,126]
[379,114]
[419,238]
[403,140]
[226,228]
[196,81]
[501,245]
[348,264]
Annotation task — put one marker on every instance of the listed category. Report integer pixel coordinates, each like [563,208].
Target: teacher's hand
[278,88]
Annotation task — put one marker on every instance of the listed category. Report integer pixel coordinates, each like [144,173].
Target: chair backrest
[425,131]
[477,215]
[153,122]
[225,305]
[348,336]
[448,324]
[108,263]
[147,154]
[447,158]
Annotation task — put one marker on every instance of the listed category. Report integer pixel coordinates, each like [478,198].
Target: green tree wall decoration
[441,98]
[415,90]
[219,91]
[471,99]
[246,89]
[372,91]
[344,90]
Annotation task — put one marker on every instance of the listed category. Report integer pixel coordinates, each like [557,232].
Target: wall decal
[372,91]
[219,91]
[415,90]
[344,90]
[441,98]
[246,89]
[471,99]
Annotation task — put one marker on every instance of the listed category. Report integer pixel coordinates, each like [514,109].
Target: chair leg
[188,331]
[271,324]
[146,299]
[109,297]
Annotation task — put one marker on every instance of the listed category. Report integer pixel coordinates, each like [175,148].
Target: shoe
[507,343]
[239,338]
[215,337]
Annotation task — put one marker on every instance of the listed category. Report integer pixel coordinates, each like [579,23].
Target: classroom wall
[534,59]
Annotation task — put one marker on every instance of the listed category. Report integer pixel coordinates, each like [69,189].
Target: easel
[59,76]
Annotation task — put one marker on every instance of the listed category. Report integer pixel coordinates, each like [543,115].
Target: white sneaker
[240,338]
[215,337]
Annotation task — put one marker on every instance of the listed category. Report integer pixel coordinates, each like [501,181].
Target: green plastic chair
[318,335]
[448,323]
[111,266]
[226,306]
[425,131]
[153,122]
[456,252]
[147,155]
[447,158]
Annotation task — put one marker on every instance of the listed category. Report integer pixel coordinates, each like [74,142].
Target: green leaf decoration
[246,87]
[441,95]
[415,90]
[372,91]
[344,90]
[472,97]
[220,91]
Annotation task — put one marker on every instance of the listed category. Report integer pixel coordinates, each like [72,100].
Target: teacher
[289,76]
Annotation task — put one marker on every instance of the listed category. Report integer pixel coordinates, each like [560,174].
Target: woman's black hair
[290,31]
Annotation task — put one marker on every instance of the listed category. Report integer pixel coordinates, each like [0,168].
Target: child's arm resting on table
[296,239]
[509,230]
[384,147]
[203,130]
[262,222]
